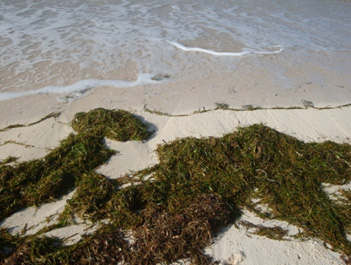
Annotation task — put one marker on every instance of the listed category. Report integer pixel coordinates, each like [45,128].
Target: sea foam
[215,53]
[50,42]
[81,87]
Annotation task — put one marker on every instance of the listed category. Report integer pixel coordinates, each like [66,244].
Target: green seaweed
[8,160]
[258,162]
[307,103]
[221,105]
[199,186]
[250,107]
[46,179]
[117,125]
[8,243]
[275,232]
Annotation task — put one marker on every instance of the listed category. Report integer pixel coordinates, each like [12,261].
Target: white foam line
[245,52]
[80,86]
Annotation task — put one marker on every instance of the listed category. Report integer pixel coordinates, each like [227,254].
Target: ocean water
[71,46]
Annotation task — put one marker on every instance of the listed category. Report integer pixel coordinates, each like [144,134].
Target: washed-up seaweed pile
[199,186]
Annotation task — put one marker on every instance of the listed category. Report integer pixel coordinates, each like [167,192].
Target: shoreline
[242,101]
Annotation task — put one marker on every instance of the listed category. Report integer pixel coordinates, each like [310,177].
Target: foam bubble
[81,87]
[215,53]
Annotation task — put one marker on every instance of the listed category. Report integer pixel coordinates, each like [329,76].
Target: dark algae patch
[69,165]
[274,232]
[116,125]
[39,181]
[43,180]
[199,186]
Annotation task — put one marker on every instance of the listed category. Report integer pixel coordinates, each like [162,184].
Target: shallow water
[45,45]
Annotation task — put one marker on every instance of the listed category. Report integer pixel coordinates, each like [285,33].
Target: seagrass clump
[42,180]
[198,187]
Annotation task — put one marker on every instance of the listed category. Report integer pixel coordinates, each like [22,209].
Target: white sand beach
[235,245]
[206,77]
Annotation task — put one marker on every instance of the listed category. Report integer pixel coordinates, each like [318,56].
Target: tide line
[80,87]
[215,53]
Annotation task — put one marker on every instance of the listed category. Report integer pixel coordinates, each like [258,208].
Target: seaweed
[221,105]
[258,162]
[275,232]
[198,187]
[43,180]
[116,125]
